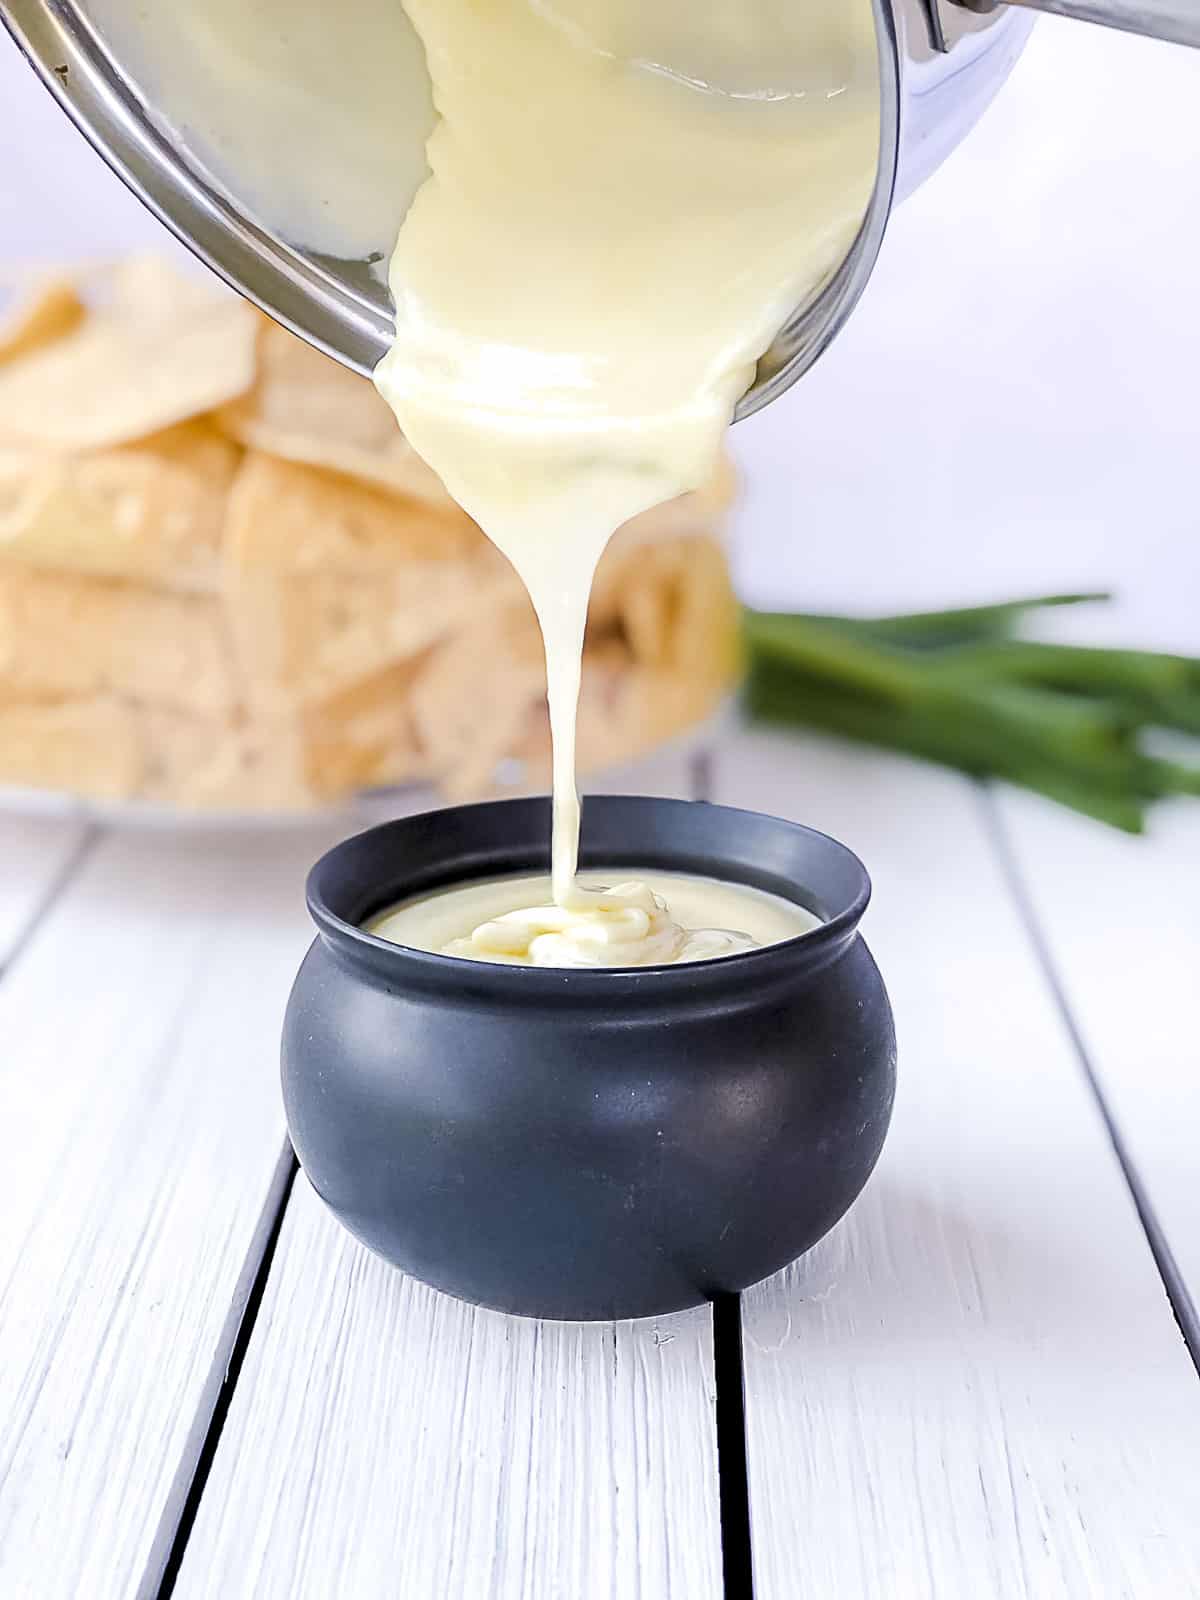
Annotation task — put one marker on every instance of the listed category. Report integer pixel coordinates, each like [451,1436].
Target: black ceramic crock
[588,1144]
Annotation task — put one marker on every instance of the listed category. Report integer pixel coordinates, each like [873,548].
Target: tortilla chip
[700,514]
[358,740]
[205,764]
[106,748]
[643,597]
[129,371]
[46,310]
[146,288]
[474,697]
[364,738]
[184,626]
[85,746]
[152,511]
[672,602]
[705,642]
[664,661]
[329,581]
[625,711]
[701,511]
[308,408]
[302,519]
[102,747]
[63,636]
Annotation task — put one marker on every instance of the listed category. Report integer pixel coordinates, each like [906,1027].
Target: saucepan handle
[1177,21]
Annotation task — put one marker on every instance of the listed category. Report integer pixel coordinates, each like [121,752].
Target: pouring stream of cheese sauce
[617,205]
[625,203]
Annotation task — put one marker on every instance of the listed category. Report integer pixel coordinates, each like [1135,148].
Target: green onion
[959,688]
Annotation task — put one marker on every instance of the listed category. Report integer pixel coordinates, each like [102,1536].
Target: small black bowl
[578,1143]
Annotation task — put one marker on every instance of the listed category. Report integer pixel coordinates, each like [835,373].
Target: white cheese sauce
[618,918]
[625,202]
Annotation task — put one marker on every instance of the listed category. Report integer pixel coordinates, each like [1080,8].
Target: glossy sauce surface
[617,919]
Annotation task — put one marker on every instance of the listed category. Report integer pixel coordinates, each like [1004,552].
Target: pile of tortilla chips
[226,581]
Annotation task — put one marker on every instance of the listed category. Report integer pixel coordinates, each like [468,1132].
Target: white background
[1014,405]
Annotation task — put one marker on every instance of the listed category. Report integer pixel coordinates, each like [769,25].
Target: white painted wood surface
[36,855]
[1121,921]
[140,1104]
[974,1386]
[385,1440]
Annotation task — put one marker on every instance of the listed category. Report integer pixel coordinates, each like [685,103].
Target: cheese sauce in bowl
[618,918]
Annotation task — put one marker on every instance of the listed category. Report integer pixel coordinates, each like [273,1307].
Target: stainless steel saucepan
[941,64]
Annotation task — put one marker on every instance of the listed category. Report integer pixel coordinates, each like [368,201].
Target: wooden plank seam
[733,1474]
[179,1513]
[1183,1307]
[50,897]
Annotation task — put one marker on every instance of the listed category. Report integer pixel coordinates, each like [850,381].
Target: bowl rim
[512,854]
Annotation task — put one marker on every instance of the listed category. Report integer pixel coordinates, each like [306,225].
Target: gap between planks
[179,1512]
[974,1385]
[1183,1305]
[30,890]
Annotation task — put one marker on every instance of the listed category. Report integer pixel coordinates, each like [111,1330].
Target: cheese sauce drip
[674,918]
[625,203]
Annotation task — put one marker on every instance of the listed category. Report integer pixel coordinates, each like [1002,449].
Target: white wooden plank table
[976,1385]
[143,1146]
[1128,986]
[39,856]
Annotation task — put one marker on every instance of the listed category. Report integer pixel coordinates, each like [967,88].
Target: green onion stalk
[965,689]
